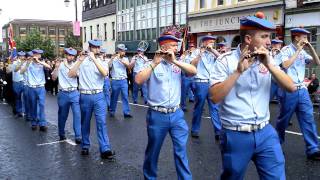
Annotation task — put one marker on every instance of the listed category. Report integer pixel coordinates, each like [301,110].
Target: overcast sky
[37,9]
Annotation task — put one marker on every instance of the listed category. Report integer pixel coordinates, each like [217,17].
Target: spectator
[2,80]
[314,84]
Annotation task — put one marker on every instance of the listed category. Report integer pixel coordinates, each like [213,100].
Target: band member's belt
[36,86]
[68,89]
[118,78]
[164,109]
[19,81]
[201,80]
[300,86]
[94,91]
[247,127]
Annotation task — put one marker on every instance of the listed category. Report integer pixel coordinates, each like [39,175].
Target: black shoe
[108,155]
[184,110]
[135,102]
[34,127]
[43,128]
[217,137]
[20,115]
[290,123]
[85,151]
[314,156]
[192,101]
[127,116]
[194,135]
[62,138]
[78,141]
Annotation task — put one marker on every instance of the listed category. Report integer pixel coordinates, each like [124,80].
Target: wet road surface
[27,154]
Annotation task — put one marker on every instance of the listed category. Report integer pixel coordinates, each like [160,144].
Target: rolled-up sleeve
[219,71]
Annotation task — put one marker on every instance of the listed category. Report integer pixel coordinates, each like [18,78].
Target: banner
[76,28]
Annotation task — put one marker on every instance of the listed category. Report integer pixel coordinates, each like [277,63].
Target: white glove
[5,82]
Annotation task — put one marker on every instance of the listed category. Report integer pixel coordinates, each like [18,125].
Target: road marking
[296,133]
[56,142]
[206,117]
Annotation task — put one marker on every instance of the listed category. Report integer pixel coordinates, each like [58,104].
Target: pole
[174,12]
[76,5]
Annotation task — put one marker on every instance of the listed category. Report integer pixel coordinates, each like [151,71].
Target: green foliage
[73,41]
[35,40]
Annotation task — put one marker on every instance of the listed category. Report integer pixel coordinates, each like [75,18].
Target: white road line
[56,142]
[206,117]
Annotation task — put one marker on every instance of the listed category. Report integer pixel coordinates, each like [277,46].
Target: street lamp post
[67,3]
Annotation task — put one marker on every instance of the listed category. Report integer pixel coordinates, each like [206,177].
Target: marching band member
[18,83]
[119,65]
[68,95]
[222,47]
[187,82]
[92,73]
[241,81]
[163,77]
[37,92]
[205,58]
[138,61]
[294,59]
[26,95]
[276,45]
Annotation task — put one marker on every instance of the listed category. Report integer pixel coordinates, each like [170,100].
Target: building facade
[99,22]
[143,21]
[55,30]
[222,18]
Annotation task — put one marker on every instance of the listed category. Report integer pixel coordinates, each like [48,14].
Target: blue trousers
[94,103]
[300,103]
[37,104]
[262,147]
[118,86]
[186,90]
[201,95]
[106,90]
[26,99]
[65,100]
[18,93]
[158,126]
[136,90]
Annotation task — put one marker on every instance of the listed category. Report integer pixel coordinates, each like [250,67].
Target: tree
[73,41]
[35,40]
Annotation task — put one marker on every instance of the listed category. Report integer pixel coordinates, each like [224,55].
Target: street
[27,154]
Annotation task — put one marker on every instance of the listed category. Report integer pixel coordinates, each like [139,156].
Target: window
[62,32]
[220,2]
[313,36]
[23,30]
[52,31]
[105,31]
[43,30]
[113,31]
[90,32]
[202,4]
[85,34]
[61,42]
[33,28]
[98,31]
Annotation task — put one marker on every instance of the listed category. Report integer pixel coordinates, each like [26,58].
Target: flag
[12,43]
